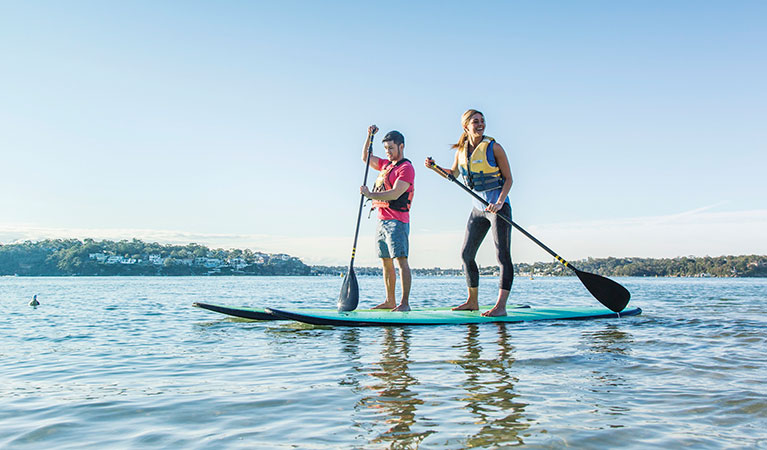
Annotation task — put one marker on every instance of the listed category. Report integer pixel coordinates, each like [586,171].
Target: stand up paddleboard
[262,314]
[379,317]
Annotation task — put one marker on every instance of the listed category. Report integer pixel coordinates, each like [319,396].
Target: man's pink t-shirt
[406,173]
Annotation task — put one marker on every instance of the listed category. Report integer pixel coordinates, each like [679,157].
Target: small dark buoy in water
[34,301]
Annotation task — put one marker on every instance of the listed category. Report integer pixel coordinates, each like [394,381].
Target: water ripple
[126,362]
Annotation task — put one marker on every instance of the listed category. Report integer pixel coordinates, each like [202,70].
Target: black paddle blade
[350,292]
[611,294]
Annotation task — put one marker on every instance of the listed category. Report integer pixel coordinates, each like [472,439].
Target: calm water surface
[127,362]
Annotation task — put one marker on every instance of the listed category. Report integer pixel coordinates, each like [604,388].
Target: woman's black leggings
[476,229]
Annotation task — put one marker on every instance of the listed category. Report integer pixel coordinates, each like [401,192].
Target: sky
[633,129]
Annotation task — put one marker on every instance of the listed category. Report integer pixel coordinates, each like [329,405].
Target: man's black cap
[394,136]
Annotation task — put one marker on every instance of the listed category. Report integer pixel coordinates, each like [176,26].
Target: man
[392,194]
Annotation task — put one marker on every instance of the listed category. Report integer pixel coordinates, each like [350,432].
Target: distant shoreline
[73,257]
[368,275]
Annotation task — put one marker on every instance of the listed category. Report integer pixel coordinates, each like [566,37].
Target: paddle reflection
[613,343]
[350,340]
[609,340]
[390,398]
[489,386]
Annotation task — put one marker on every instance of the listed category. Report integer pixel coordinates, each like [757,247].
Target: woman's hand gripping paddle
[611,294]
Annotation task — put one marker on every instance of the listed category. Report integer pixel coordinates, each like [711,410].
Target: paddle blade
[609,293]
[350,292]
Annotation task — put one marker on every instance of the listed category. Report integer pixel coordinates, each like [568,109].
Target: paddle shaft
[362,200]
[452,178]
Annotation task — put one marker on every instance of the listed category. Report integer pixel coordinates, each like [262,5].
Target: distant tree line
[56,257]
[708,266]
[720,266]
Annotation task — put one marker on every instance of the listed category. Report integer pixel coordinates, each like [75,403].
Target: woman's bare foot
[468,305]
[402,308]
[495,311]
[386,305]
[499,309]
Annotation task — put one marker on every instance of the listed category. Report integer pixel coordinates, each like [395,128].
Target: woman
[485,168]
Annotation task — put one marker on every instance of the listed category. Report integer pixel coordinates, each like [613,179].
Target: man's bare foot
[495,311]
[402,308]
[385,305]
[466,306]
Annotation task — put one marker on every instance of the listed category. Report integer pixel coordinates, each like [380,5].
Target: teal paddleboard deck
[262,314]
[371,318]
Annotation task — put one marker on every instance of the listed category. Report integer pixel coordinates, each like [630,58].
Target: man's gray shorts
[392,239]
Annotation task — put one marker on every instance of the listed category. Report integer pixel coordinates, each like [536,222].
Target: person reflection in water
[393,398]
[489,392]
